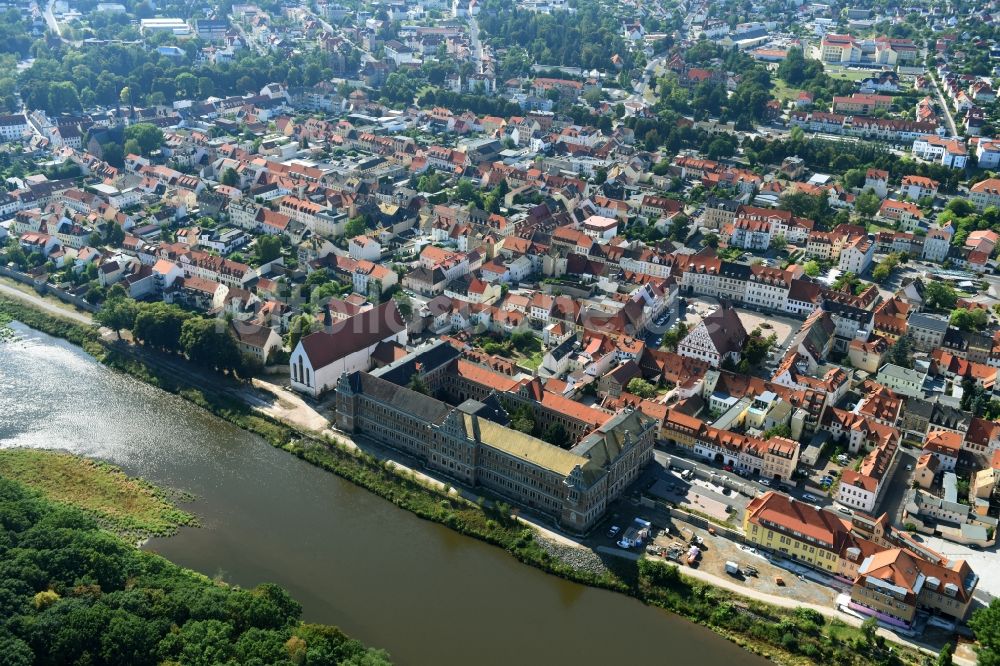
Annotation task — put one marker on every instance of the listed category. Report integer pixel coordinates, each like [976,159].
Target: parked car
[809,497]
[613,531]
[728,468]
[765,482]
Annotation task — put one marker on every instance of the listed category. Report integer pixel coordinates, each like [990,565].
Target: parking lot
[700,496]
[716,551]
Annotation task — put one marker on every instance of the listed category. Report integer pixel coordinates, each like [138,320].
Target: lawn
[849,74]
[874,228]
[129,507]
[532,362]
[783,91]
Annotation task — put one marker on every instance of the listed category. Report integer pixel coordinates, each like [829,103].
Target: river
[419,590]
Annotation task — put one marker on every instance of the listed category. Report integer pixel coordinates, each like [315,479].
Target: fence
[43,287]
[692,519]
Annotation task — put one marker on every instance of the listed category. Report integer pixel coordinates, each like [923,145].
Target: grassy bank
[131,508]
[73,593]
[84,336]
[790,637]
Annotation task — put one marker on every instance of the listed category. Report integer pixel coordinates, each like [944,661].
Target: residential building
[951,153]
[985,193]
[717,338]
[918,187]
[904,381]
[862,490]
[926,331]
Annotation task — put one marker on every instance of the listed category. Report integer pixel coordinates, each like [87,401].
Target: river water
[419,590]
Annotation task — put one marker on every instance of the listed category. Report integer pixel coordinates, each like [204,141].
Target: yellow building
[804,533]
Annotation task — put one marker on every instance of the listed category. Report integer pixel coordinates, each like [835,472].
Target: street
[944,106]
[892,501]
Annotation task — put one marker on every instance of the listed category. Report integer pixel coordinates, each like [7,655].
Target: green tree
[267,248]
[300,327]
[867,204]
[869,629]
[355,227]
[811,268]
[884,269]
[854,178]
[186,84]
[960,207]
[944,656]
[985,624]
[975,319]
[148,137]
[159,325]
[556,435]
[640,387]
[756,347]
[114,154]
[673,337]
[467,191]
[208,342]
[680,226]
[230,177]
[418,384]
[117,314]
[63,97]
[899,353]
[523,420]
[940,295]
[782,430]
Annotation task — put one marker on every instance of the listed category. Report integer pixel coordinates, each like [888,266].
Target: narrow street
[944,107]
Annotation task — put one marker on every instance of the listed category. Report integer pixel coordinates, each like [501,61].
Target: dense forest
[71,593]
[587,37]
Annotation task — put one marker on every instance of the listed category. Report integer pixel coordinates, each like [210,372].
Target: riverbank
[75,593]
[129,507]
[693,599]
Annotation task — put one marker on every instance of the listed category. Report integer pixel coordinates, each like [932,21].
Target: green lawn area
[850,75]
[129,507]
[875,228]
[532,362]
[783,91]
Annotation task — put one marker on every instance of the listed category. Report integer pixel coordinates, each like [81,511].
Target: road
[892,501]
[48,306]
[786,602]
[944,106]
[50,19]
[477,45]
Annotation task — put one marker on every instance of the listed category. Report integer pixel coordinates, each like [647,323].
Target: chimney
[327,319]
